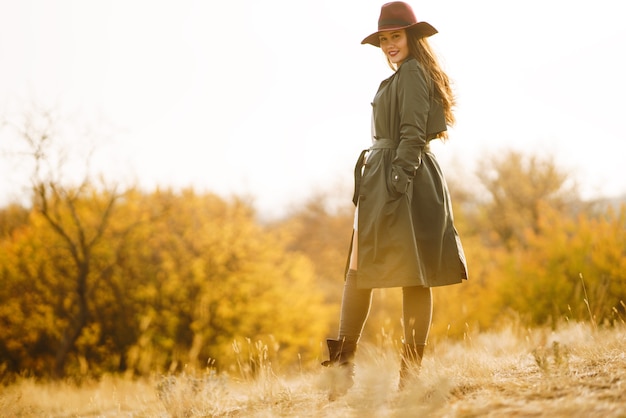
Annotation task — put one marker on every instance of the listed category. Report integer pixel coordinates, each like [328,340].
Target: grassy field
[576,371]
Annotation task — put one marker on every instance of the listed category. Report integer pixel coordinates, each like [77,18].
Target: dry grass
[578,371]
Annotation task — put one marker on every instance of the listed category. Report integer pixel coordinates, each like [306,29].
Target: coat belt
[358,169]
[382,143]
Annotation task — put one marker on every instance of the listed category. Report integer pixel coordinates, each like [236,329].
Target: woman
[404,235]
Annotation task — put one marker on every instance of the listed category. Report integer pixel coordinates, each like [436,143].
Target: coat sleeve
[413,105]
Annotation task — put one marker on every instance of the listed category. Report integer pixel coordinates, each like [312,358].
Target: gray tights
[355,307]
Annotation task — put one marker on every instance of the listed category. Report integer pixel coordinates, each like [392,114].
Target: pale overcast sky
[272,98]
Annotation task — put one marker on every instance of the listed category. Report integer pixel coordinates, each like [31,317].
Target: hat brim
[421,29]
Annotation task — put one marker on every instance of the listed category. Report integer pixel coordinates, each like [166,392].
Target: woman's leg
[355,304]
[417,312]
[355,307]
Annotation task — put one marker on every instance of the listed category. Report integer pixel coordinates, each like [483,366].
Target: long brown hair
[420,49]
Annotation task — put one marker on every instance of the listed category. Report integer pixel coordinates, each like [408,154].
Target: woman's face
[395,45]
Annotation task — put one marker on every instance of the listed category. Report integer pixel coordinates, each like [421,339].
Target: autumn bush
[173,281]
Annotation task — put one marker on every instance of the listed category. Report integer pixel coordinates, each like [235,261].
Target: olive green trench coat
[406,234]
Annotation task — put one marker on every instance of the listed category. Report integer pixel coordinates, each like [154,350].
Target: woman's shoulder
[411,70]
[410,64]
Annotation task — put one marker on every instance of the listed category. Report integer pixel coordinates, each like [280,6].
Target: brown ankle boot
[410,363]
[341,354]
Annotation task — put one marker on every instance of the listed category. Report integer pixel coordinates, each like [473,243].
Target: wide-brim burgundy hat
[398,15]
